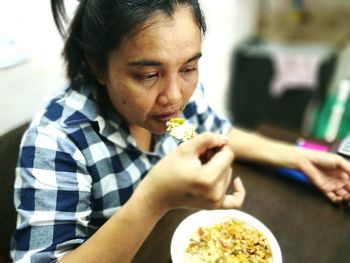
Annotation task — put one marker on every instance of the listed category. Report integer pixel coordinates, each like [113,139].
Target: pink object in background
[312,145]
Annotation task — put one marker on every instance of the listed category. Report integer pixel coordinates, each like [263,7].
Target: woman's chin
[158,129]
[159,132]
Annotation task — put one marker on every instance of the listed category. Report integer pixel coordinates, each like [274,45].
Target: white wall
[27,35]
[30,25]
[228,23]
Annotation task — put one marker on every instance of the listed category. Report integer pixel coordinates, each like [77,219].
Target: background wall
[281,5]
[31,67]
[229,22]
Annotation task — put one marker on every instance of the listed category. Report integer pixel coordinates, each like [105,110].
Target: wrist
[147,200]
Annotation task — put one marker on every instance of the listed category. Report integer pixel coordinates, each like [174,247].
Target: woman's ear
[100,75]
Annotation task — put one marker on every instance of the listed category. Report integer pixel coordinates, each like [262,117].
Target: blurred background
[278,62]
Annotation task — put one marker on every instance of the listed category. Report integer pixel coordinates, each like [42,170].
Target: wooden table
[308,227]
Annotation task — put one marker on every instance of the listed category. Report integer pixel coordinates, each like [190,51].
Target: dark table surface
[308,227]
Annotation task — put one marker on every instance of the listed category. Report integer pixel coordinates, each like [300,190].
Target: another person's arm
[329,172]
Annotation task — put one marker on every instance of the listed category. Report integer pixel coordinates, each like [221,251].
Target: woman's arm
[121,236]
[254,147]
[179,180]
[329,172]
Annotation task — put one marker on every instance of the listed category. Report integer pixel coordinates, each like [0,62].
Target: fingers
[203,142]
[228,180]
[338,195]
[333,197]
[342,193]
[347,187]
[221,160]
[312,173]
[336,188]
[344,166]
[238,186]
[236,199]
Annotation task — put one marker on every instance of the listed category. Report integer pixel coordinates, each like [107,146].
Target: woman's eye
[147,77]
[189,70]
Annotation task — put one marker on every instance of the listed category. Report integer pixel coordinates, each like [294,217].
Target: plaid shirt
[78,164]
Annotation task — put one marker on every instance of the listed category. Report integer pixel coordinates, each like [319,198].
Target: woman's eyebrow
[156,63]
[145,63]
[195,57]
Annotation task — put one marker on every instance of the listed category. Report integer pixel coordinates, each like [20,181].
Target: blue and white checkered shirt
[78,164]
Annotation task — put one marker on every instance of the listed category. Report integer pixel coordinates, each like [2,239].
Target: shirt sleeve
[199,112]
[52,196]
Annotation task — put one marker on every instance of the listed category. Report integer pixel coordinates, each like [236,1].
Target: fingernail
[223,137]
[238,180]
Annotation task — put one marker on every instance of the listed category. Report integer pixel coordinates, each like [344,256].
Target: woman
[98,158]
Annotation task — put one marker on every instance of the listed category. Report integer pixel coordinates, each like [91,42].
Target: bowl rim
[179,241]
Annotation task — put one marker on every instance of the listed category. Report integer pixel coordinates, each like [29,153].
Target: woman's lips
[167,116]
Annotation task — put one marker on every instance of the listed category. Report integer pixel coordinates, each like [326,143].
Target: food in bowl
[230,236]
[228,241]
[181,129]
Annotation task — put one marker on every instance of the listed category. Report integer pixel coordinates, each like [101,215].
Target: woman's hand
[329,172]
[182,179]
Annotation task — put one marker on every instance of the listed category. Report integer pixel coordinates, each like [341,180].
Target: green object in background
[322,119]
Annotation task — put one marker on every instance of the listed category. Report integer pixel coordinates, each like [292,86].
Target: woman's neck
[142,137]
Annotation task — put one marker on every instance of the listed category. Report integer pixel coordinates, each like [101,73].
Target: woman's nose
[170,93]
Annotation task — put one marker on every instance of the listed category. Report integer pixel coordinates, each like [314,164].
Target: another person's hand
[181,179]
[329,172]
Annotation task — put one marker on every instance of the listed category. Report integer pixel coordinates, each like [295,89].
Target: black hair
[100,26]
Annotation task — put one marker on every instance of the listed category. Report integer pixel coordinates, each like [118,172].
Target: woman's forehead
[164,34]
[181,13]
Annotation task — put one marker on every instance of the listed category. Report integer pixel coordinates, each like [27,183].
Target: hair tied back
[59,15]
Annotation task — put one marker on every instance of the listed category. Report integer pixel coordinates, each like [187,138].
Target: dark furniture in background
[249,100]
[9,147]
[308,227]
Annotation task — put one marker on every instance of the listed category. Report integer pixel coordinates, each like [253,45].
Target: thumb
[236,199]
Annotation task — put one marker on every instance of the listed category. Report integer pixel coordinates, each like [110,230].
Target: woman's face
[151,77]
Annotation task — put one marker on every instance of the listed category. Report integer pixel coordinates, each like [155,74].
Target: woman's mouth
[167,116]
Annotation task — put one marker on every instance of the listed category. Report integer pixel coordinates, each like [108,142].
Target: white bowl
[205,218]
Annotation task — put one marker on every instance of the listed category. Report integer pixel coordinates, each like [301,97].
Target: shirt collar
[83,106]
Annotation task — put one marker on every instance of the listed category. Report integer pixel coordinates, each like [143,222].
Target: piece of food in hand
[180,129]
